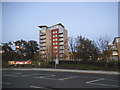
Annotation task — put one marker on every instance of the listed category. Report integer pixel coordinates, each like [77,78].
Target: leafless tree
[72,43]
[103,44]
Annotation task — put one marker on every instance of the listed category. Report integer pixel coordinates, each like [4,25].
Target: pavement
[67,70]
[50,79]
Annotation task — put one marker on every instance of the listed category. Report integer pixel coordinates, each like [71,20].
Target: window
[44,28]
[55,43]
[42,32]
[61,47]
[117,39]
[44,44]
[55,39]
[61,43]
[61,51]
[42,40]
[61,55]
[54,31]
[61,35]
[54,35]
[61,39]
[42,52]
[61,28]
[114,53]
[55,51]
[42,48]
[55,47]
[42,37]
[115,58]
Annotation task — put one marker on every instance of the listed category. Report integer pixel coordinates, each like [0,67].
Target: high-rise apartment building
[53,42]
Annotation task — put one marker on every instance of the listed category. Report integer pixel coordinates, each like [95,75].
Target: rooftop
[115,39]
[50,26]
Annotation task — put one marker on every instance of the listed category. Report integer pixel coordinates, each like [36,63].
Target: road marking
[87,77]
[36,87]
[24,75]
[68,78]
[10,75]
[5,83]
[104,84]
[46,76]
[41,88]
[95,80]
[29,75]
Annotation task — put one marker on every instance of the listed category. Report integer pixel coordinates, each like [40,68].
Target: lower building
[115,49]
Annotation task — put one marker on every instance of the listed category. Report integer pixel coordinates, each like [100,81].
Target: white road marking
[10,75]
[29,75]
[41,87]
[46,76]
[36,87]
[95,80]
[104,84]
[87,77]
[24,75]
[5,83]
[68,78]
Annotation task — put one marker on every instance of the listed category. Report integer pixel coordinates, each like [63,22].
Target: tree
[27,49]
[86,49]
[6,47]
[71,41]
[8,52]
[32,48]
[72,44]
[103,43]
[20,47]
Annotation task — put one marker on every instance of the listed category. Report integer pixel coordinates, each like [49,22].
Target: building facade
[115,49]
[53,42]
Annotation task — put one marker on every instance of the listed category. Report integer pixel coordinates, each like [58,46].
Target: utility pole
[56,62]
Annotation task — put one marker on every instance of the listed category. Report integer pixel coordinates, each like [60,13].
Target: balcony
[61,39]
[114,48]
[42,34]
[114,53]
[61,43]
[61,36]
[42,41]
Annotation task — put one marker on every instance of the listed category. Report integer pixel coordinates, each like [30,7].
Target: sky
[20,20]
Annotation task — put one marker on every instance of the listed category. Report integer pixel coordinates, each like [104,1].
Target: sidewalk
[66,70]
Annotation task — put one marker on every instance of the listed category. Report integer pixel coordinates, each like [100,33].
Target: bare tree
[103,43]
[72,42]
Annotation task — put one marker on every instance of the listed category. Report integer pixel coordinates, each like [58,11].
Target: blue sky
[20,20]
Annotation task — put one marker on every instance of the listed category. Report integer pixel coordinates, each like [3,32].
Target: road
[51,80]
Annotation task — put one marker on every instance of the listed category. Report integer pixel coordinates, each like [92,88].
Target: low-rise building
[115,49]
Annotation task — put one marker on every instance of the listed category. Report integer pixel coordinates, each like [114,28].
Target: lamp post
[56,61]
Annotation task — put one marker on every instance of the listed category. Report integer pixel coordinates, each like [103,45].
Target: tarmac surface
[49,80]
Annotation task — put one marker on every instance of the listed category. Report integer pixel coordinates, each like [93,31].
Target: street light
[56,61]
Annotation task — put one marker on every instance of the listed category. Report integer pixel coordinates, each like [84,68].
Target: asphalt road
[51,80]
